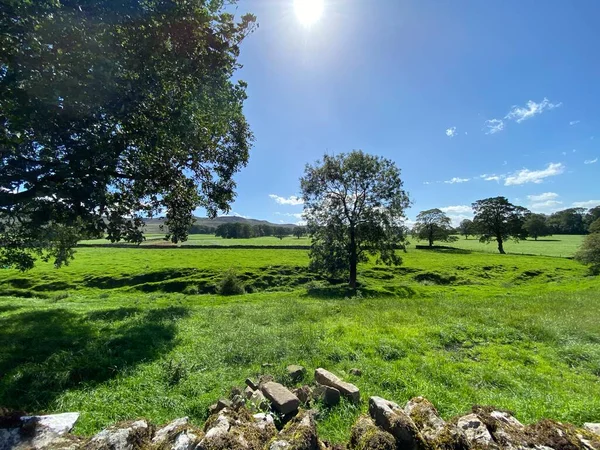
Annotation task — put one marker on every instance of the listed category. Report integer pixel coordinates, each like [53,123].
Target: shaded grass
[514,331]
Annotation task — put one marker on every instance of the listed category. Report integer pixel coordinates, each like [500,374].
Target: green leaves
[111,113]
[498,219]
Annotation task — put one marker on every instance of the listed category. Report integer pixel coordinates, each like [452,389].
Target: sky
[471,99]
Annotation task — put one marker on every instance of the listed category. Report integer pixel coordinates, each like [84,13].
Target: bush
[230,284]
[589,252]
[191,290]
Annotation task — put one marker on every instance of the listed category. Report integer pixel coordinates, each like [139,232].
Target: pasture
[116,334]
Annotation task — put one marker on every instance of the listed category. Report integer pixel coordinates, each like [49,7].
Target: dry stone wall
[266,415]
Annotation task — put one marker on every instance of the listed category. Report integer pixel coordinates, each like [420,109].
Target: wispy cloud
[494,126]
[586,204]
[548,206]
[491,177]
[591,161]
[574,122]
[457,209]
[426,182]
[532,109]
[234,214]
[456,180]
[295,215]
[543,197]
[534,176]
[291,200]
[451,132]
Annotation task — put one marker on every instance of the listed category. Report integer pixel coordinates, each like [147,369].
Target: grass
[115,337]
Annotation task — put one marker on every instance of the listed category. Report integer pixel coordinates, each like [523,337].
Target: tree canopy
[433,225]
[112,112]
[536,225]
[498,219]
[466,228]
[354,206]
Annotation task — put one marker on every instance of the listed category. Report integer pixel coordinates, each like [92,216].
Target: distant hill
[153,225]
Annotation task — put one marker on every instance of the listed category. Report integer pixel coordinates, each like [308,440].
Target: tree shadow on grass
[44,353]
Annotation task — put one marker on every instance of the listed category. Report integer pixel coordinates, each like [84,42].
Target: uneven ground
[114,336]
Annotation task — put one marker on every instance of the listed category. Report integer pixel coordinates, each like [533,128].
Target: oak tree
[499,220]
[433,225]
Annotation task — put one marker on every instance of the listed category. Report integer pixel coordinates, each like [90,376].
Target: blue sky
[471,99]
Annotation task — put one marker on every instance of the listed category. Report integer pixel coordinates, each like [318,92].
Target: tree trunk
[500,246]
[430,242]
[353,259]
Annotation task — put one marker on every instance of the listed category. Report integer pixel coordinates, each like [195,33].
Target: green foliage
[299,231]
[466,228]
[230,284]
[589,253]
[433,225]
[568,221]
[536,226]
[354,206]
[112,113]
[594,226]
[498,219]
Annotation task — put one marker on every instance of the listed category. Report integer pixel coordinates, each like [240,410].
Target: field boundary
[193,246]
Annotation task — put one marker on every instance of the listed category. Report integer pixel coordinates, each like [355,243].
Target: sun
[308,11]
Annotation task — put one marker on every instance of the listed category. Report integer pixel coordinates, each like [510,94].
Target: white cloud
[532,109]
[543,197]
[492,177]
[457,180]
[291,200]
[494,126]
[295,215]
[534,176]
[234,214]
[457,209]
[586,204]
[426,182]
[574,122]
[591,161]
[548,206]
[451,132]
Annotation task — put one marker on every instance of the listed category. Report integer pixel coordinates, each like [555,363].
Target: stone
[177,435]
[258,401]
[391,418]
[328,395]
[356,372]
[248,392]
[425,417]
[237,402]
[123,436]
[304,393]
[296,372]
[163,433]
[222,404]
[592,427]
[282,399]
[219,428]
[39,432]
[57,423]
[326,378]
[298,434]
[365,435]
[476,432]
[251,384]
[263,420]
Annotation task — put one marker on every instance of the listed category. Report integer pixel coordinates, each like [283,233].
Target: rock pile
[269,416]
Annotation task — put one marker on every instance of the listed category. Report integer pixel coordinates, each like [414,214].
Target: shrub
[191,290]
[230,284]
[589,252]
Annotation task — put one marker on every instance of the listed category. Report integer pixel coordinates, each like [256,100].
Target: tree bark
[500,246]
[353,259]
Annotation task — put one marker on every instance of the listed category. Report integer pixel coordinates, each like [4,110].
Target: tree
[568,221]
[589,252]
[592,216]
[433,225]
[594,226]
[466,228]
[536,226]
[354,206]
[497,219]
[299,231]
[281,232]
[115,111]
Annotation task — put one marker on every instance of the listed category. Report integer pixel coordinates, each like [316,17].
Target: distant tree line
[244,231]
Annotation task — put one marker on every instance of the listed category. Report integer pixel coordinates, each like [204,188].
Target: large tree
[498,219]
[536,225]
[433,225]
[568,221]
[354,206]
[115,111]
[466,228]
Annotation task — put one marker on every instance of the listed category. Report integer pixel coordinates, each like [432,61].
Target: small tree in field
[536,226]
[433,225]
[589,252]
[299,232]
[354,206]
[280,232]
[466,228]
[498,219]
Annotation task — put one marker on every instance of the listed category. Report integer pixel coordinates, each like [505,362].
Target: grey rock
[425,417]
[9,438]
[185,441]
[40,432]
[57,423]
[282,399]
[220,428]
[222,404]
[391,418]
[263,420]
[300,434]
[330,396]
[476,432]
[592,427]
[248,392]
[251,384]
[303,393]
[121,436]
[296,372]
[176,436]
[237,402]
[258,401]
[163,433]
[280,445]
[365,435]
[326,378]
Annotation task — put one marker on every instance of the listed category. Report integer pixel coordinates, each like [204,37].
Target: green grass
[116,338]
[558,245]
[210,239]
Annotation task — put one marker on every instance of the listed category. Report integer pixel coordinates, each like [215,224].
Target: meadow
[121,333]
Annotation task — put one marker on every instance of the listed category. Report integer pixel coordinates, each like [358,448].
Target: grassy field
[114,336]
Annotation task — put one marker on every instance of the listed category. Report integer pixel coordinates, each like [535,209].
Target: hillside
[153,225]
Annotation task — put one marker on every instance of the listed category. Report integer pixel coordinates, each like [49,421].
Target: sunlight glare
[308,11]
